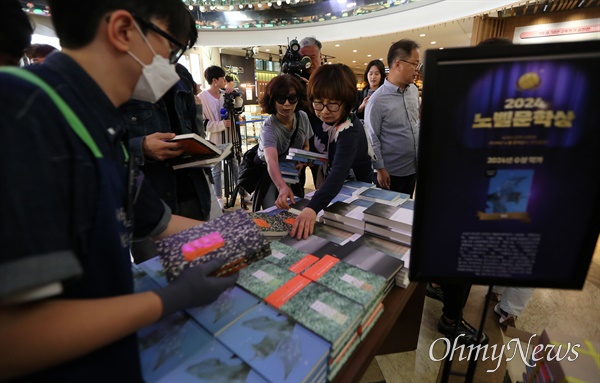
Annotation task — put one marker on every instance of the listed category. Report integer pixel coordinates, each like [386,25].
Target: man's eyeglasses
[332,106]
[176,52]
[291,98]
[418,66]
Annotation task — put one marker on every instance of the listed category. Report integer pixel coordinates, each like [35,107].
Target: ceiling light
[365,64]
[287,1]
[381,59]
[259,5]
[279,2]
[441,47]
[368,55]
[354,50]
[269,4]
[241,6]
[337,45]
[422,35]
[267,50]
[353,61]
[191,7]
[250,6]
[433,42]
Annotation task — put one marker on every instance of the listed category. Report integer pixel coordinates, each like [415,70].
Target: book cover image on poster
[276,346]
[509,192]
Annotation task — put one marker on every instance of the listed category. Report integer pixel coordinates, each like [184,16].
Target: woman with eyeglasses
[332,93]
[286,127]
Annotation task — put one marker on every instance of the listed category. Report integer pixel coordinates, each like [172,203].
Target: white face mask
[157,77]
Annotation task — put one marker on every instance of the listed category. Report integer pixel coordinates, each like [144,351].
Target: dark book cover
[230,305]
[391,233]
[345,213]
[332,234]
[327,313]
[369,259]
[391,248]
[262,278]
[310,245]
[393,216]
[275,346]
[243,242]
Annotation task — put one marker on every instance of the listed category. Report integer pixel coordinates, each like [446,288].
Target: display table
[397,330]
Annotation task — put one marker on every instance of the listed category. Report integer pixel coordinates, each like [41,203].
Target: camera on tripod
[233,101]
[293,62]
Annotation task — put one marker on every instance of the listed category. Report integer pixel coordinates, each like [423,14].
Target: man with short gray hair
[392,117]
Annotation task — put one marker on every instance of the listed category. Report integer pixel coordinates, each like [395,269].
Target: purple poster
[508,187]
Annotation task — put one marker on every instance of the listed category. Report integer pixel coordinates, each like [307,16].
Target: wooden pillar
[485,27]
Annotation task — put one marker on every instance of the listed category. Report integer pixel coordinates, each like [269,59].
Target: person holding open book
[150,126]
[332,94]
[285,128]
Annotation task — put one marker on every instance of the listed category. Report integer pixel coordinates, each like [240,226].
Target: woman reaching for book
[285,128]
[332,93]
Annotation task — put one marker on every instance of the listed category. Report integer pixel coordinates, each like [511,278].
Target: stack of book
[288,172]
[397,250]
[198,152]
[275,346]
[347,215]
[242,243]
[177,348]
[391,222]
[306,156]
[382,196]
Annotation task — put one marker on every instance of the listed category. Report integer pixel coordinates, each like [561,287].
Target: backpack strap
[70,116]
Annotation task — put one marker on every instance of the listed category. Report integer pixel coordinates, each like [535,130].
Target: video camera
[293,62]
[233,101]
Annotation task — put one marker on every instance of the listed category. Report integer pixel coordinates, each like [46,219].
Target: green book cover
[283,255]
[327,313]
[262,278]
[359,285]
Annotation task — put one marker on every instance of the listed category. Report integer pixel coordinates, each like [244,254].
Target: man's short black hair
[76,24]
[401,50]
[15,30]
[213,72]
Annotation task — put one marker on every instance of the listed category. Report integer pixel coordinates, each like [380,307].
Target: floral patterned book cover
[243,244]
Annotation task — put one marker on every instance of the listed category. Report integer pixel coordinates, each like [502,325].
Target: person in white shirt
[217,130]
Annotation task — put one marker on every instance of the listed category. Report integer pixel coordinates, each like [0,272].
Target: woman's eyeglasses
[291,98]
[332,106]
[176,52]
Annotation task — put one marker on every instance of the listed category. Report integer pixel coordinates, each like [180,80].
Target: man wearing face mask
[73,196]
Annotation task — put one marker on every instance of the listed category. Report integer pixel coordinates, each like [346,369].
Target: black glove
[194,287]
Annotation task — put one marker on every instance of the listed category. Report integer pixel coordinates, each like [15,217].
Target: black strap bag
[252,167]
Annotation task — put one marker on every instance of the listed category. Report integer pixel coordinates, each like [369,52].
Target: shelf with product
[250,128]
